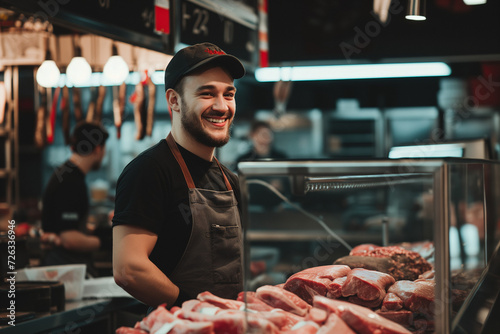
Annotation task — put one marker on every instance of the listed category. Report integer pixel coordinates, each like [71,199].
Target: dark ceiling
[346,30]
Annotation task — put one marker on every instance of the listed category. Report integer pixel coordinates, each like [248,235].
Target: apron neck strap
[226,181]
[185,171]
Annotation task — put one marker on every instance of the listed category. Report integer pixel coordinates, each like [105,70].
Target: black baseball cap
[193,57]
[86,136]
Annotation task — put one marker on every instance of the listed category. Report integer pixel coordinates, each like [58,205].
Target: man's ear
[173,100]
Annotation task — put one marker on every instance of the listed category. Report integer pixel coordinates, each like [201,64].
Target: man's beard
[192,124]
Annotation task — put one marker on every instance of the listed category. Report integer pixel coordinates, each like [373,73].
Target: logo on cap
[214,52]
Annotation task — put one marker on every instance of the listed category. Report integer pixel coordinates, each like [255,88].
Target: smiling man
[177,228]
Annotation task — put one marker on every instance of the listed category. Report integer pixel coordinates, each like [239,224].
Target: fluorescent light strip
[97,79]
[344,72]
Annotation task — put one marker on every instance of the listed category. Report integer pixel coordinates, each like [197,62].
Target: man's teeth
[216,120]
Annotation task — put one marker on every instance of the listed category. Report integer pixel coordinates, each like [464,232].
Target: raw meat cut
[362,249]
[128,330]
[392,302]
[335,288]
[233,322]
[427,275]
[361,319]
[366,284]
[162,321]
[334,324]
[372,304]
[402,317]
[256,304]
[314,281]
[417,297]
[304,327]
[317,315]
[226,323]
[252,302]
[424,248]
[220,302]
[283,299]
[196,306]
[382,264]
[400,263]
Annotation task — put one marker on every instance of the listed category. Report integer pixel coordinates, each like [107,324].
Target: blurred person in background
[262,138]
[65,201]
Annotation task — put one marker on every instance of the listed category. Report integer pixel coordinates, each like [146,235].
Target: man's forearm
[77,241]
[146,282]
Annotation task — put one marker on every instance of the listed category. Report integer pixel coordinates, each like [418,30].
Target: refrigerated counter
[312,213]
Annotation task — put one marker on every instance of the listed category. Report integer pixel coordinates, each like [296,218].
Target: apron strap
[185,171]
[177,154]
[226,181]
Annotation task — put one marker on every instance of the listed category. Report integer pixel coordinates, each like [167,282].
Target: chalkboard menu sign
[232,25]
[129,21]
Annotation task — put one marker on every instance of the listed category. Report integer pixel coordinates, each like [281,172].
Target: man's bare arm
[133,270]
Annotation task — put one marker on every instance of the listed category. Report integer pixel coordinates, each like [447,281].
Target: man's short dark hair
[87,136]
[259,124]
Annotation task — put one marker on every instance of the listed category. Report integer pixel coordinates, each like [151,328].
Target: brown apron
[212,260]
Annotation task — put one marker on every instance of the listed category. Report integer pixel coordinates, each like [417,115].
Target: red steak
[392,302]
[368,285]
[361,319]
[417,297]
[283,299]
[315,281]
[402,317]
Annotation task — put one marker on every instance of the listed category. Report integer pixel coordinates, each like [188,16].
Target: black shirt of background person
[65,207]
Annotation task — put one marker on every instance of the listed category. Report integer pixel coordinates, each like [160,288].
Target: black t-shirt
[65,206]
[65,202]
[151,193]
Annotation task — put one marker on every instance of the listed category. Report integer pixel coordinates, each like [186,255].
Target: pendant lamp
[416,10]
[116,69]
[48,73]
[78,71]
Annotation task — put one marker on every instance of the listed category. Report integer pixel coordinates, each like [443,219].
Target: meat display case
[301,214]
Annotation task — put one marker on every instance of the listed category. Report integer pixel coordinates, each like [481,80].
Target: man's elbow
[124,275]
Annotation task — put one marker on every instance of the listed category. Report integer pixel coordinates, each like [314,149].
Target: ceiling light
[116,69]
[78,71]
[158,77]
[474,2]
[48,73]
[344,72]
[416,10]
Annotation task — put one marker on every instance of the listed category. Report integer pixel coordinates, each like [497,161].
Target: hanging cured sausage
[119,94]
[77,106]
[99,103]
[3,101]
[40,118]
[92,103]
[139,101]
[65,114]
[51,119]
[151,107]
